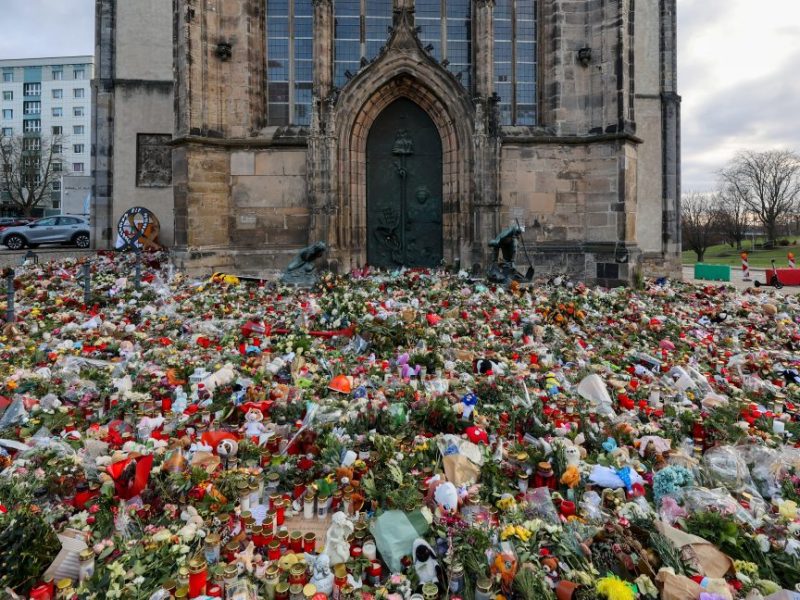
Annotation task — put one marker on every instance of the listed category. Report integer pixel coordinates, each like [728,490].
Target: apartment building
[47,99]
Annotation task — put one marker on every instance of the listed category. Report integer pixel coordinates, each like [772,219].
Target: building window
[153,160]
[77,130]
[7,131]
[8,76]
[360,30]
[58,74]
[289,61]
[79,74]
[57,149]
[77,111]
[78,93]
[32,108]
[8,114]
[32,89]
[515,60]
[8,95]
[32,126]
[58,94]
[31,144]
[77,148]
[58,111]
[56,186]
[57,130]
[57,167]
[77,167]
[446,32]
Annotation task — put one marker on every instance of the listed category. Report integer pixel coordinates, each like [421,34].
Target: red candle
[41,592]
[296,541]
[310,543]
[274,550]
[166,404]
[280,512]
[214,591]
[198,578]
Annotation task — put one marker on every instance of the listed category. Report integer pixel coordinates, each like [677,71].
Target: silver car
[50,230]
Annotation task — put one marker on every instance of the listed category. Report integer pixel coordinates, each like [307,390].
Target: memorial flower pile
[415,434]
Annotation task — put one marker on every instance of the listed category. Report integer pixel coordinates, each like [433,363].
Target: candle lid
[212,539]
[64,584]
[87,554]
[197,565]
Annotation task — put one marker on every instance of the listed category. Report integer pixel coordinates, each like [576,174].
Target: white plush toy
[254,428]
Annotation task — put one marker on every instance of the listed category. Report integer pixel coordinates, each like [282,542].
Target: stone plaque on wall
[153,160]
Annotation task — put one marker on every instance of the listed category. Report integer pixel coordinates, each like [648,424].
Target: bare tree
[699,215]
[734,215]
[768,183]
[29,167]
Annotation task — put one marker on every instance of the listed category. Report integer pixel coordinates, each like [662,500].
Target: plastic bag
[14,414]
[593,389]
[725,466]
[699,499]
[541,504]
[394,532]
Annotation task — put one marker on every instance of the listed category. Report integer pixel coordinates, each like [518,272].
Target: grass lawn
[725,255]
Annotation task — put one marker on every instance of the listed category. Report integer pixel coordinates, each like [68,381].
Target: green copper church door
[404,188]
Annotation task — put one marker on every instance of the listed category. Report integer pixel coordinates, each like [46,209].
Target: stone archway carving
[403,70]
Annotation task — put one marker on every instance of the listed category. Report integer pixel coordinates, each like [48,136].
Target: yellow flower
[788,510]
[522,533]
[507,532]
[506,503]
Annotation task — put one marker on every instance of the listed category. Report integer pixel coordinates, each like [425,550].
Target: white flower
[763,542]
[138,580]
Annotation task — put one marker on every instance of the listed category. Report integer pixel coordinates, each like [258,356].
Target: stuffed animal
[505,567]
[425,563]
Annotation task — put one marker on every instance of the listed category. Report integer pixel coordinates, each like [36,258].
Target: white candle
[778,427]
[369,551]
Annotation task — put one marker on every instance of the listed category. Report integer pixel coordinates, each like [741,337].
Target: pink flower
[94,508]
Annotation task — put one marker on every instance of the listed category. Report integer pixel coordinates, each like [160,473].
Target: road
[736,280]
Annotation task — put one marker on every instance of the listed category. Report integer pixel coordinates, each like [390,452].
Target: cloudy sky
[738,63]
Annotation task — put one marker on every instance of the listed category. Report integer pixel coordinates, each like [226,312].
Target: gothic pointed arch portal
[404,188]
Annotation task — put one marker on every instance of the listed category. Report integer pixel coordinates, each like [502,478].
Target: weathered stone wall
[141,107]
[144,41]
[269,199]
[571,191]
[133,94]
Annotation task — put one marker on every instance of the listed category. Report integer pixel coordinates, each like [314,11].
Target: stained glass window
[515,60]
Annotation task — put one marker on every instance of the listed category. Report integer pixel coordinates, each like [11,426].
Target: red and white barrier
[745,267]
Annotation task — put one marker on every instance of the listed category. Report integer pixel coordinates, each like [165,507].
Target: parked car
[50,230]
[6,222]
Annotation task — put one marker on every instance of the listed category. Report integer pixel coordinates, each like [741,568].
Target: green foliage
[29,545]
[532,585]
[717,528]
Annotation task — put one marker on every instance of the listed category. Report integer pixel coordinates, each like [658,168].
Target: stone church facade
[397,131]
